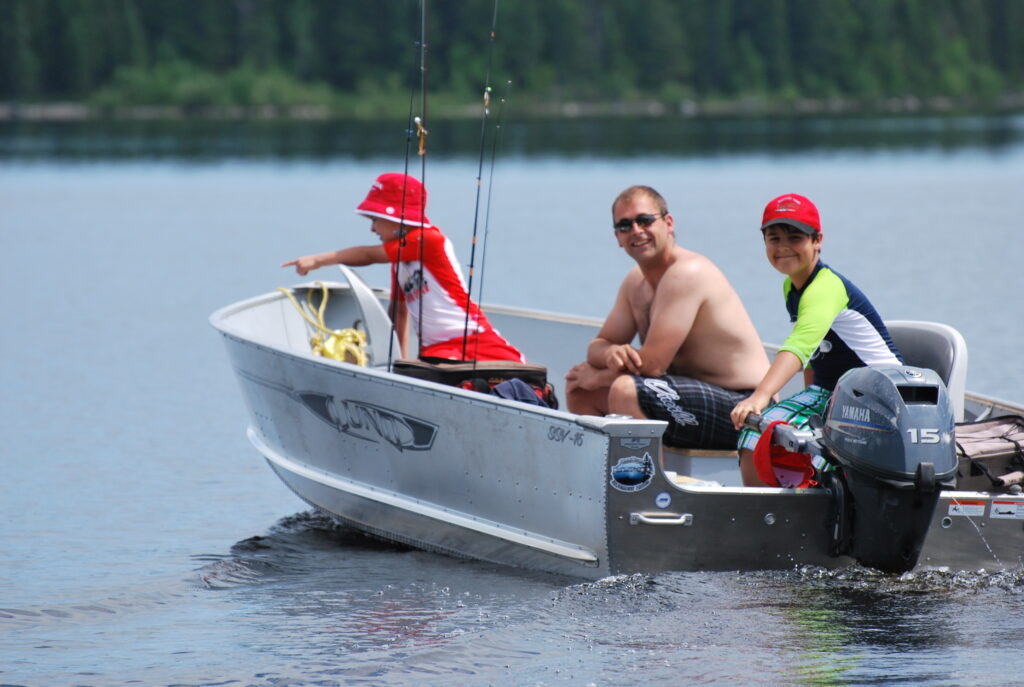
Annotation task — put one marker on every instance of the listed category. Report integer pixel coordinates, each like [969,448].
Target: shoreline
[653,109]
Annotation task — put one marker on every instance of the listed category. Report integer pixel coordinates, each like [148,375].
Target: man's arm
[354,256]
[611,348]
[676,303]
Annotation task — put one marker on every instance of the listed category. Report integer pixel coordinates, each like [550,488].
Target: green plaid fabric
[796,410]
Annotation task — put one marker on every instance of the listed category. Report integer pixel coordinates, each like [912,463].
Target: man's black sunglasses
[644,220]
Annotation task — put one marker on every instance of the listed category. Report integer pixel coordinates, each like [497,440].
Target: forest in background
[348,58]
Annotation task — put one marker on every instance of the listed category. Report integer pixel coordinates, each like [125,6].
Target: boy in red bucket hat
[396,205]
[835,327]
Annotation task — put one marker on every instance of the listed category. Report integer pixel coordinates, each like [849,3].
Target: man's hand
[582,376]
[623,357]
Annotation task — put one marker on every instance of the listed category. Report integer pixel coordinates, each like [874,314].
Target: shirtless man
[699,352]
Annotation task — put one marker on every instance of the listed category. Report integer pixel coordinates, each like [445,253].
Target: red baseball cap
[397,197]
[794,210]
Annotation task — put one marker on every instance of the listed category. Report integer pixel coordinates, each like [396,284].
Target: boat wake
[125,601]
[291,546]
[669,591]
[921,581]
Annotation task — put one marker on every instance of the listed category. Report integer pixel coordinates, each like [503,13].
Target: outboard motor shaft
[891,431]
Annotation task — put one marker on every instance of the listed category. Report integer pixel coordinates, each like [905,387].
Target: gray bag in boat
[990,454]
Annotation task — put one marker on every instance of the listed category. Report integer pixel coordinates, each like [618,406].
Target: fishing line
[421,132]
[487,211]
[479,175]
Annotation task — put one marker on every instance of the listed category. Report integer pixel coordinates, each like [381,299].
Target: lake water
[145,542]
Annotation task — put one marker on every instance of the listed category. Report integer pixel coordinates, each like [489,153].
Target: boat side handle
[685,519]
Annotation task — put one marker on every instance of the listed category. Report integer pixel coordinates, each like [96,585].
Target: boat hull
[429,465]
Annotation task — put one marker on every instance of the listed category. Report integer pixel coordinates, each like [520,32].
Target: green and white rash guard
[836,327]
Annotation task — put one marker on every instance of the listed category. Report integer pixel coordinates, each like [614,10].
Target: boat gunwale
[218,319]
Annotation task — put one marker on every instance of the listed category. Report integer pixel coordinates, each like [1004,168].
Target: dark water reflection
[856,626]
[604,137]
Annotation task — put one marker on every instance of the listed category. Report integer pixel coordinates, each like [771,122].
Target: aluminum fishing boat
[474,475]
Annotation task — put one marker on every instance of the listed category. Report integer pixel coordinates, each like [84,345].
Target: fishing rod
[421,132]
[479,175]
[421,135]
[487,211]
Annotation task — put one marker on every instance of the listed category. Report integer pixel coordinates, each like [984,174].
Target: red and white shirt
[442,290]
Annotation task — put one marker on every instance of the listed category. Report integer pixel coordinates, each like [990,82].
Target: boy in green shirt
[836,327]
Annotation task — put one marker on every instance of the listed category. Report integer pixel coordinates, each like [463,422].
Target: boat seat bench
[679,462]
[454,373]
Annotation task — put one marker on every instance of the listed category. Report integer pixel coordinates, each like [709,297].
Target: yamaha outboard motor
[891,431]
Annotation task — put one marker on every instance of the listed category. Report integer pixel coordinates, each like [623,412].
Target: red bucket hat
[397,197]
[794,210]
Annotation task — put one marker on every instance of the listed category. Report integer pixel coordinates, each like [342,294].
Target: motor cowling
[891,431]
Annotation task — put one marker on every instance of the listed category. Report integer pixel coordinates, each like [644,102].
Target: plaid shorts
[697,412]
[796,410]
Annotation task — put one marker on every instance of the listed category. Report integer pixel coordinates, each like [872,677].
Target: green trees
[340,54]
